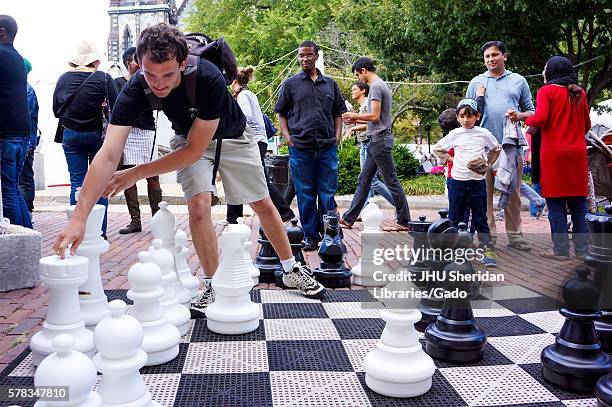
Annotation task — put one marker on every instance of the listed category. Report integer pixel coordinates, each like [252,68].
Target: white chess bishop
[177,314]
[161,339]
[119,358]
[246,255]
[181,252]
[62,278]
[164,227]
[399,367]
[91,294]
[70,368]
[232,312]
[370,236]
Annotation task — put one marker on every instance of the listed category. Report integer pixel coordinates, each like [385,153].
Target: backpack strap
[154,101]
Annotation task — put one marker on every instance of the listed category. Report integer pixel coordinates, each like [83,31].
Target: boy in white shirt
[467,187]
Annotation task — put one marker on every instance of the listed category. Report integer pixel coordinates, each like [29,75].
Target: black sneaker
[301,278]
[206,297]
[310,245]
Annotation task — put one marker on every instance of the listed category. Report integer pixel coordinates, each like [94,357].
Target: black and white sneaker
[301,278]
[206,297]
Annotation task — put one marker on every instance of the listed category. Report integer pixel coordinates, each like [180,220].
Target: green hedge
[425,185]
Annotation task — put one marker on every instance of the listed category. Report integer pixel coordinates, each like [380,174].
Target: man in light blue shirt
[505,91]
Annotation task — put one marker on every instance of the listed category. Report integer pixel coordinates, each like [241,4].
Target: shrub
[348,167]
[425,185]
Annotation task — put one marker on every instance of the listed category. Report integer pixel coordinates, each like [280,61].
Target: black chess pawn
[267,261]
[600,257]
[603,391]
[417,266]
[295,234]
[442,237]
[576,360]
[454,336]
[332,272]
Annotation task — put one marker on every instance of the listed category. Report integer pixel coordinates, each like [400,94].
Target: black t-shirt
[14,111]
[85,111]
[212,97]
[145,121]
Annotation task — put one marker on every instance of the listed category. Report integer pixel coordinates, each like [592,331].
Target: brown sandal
[396,228]
[344,224]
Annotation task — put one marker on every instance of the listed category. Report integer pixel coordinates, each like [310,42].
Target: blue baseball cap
[468,102]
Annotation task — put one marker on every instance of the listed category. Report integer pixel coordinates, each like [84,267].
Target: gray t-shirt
[379,90]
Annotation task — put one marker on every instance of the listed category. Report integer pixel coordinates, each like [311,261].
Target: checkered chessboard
[310,352]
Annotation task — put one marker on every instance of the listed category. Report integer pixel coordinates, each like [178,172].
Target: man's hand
[288,141]
[481,90]
[349,117]
[348,133]
[120,181]
[512,115]
[72,234]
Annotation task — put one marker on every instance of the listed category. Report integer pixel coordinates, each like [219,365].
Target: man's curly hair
[161,43]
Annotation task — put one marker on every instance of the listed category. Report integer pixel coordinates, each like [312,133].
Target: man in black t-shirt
[140,148]
[162,53]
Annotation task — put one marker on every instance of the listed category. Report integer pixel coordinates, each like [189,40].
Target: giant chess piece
[443,238]
[576,360]
[246,249]
[161,338]
[119,358]
[164,227]
[181,252]
[267,260]
[295,234]
[417,267]
[370,237]
[70,368]
[232,312]
[91,294]
[63,278]
[398,366]
[600,257]
[177,313]
[332,272]
[603,391]
[454,336]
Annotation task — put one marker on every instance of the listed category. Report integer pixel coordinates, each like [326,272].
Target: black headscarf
[559,71]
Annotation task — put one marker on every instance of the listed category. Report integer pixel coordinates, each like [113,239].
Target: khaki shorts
[240,168]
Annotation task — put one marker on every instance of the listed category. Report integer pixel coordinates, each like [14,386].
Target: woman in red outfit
[563,115]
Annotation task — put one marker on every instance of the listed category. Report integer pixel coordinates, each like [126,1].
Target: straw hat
[85,54]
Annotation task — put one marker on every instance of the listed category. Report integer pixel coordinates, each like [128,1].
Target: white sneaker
[301,278]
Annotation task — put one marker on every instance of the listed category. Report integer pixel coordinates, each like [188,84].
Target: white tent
[601,122]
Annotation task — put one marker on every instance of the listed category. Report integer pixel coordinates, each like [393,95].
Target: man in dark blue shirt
[310,108]
[14,124]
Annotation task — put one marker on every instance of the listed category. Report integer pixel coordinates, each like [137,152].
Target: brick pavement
[22,311]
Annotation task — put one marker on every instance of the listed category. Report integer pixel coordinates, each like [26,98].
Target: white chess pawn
[70,368]
[63,278]
[177,313]
[399,367]
[181,252]
[91,294]
[232,312]
[370,236]
[246,255]
[161,338]
[118,339]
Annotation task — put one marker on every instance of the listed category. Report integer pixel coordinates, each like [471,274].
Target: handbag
[59,131]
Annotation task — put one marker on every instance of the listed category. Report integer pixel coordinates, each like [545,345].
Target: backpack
[216,51]
[270,129]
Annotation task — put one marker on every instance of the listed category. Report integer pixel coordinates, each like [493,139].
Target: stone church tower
[129,17]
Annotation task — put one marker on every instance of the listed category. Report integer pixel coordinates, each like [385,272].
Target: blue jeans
[473,195]
[377,184]
[315,175]
[80,148]
[533,200]
[557,216]
[13,151]
[26,178]
[379,158]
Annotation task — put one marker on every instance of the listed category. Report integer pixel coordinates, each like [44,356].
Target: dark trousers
[557,216]
[26,179]
[236,211]
[12,155]
[470,195]
[379,158]
[131,196]
[80,148]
